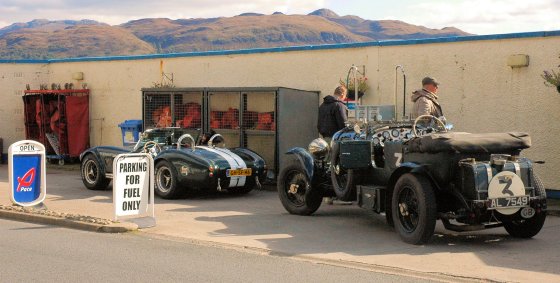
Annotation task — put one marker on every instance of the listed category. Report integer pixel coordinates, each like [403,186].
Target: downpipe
[404,90]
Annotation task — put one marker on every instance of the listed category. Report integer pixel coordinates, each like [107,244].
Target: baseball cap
[429,80]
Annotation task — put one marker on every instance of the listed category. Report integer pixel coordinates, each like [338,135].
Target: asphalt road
[39,253]
[343,235]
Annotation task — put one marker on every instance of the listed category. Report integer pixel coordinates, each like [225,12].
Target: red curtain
[77,113]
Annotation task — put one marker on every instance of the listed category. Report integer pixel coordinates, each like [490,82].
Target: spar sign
[133,185]
[27,173]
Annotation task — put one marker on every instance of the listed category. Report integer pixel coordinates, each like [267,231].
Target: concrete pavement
[344,234]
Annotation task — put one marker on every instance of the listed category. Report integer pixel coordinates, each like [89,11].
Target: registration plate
[520,201]
[239,172]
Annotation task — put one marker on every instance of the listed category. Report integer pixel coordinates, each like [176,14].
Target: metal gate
[259,124]
[168,108]
[224,116]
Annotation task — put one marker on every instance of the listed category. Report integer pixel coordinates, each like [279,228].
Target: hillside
[60,39]
[386,29]
[44,39]
[244,31]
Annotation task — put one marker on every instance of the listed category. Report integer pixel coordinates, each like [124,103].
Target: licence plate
[520,201]
[239,172]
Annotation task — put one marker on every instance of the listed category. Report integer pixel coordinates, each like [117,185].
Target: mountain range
[41,39]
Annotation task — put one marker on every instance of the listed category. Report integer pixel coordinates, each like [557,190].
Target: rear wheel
[166,181]
[295,191]
[528,228]
[414,209]
[92,175]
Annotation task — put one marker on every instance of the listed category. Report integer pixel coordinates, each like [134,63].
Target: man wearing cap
[425,99]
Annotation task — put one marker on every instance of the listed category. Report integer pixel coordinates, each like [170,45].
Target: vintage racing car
[181,166]
[416,172]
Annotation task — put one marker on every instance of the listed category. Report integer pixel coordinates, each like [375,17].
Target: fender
[305,159]
[99,151]
[411,167]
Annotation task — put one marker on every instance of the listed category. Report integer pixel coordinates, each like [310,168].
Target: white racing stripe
[240,163]
[235,181]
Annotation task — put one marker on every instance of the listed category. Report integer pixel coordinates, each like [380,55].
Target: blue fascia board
[24,61]
[295,48]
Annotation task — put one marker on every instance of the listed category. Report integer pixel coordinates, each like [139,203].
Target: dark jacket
[332,115]
[425,103]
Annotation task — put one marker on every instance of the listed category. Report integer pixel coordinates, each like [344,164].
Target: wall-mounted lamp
[78,76]
[518,60]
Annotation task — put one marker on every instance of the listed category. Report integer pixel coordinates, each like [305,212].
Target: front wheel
[93,176]
[166,181]
[414,209]
[295,191]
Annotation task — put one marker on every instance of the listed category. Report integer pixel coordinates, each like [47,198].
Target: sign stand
[27,173]
[133,188]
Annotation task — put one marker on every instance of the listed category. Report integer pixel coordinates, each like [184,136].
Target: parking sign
[133,185]
[27,173]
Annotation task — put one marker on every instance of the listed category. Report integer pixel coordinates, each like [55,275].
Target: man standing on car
[332,113]
[426,99]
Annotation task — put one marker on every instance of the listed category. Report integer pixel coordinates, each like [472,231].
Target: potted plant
[362,83]
[551,79]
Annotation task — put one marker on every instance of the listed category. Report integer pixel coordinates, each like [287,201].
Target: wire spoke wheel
[296,187]
[414,208]
[344,182]
[296,193]
[408,209]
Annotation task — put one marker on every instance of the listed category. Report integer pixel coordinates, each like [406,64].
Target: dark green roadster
[417,173]
[181,166]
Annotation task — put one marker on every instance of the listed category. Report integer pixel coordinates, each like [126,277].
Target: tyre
[295,191]
[344,182]
[166,181]
[92,175]
[528,228]
[414,209]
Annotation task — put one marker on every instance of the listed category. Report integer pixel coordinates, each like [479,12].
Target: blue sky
[474,16]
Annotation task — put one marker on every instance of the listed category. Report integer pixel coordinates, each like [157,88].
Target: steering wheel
[211,140]
[152,147]
[427,122]
[181,138]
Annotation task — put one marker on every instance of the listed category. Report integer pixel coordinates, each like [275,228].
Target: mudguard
[305,159]
[410,167]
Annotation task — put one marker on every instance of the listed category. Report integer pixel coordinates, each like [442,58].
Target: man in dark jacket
[332,113]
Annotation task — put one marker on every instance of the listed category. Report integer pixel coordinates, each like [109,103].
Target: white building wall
[479,92]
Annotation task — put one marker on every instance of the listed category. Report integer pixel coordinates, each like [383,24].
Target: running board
[468,228]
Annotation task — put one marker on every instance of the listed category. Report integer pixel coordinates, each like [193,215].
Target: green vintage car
[416,172]
[182,166]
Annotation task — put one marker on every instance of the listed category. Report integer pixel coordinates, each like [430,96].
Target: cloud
[117,12]
[488,17]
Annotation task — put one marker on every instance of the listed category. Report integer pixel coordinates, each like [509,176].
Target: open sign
[27,173]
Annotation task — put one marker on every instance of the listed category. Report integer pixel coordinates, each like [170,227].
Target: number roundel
[507,185]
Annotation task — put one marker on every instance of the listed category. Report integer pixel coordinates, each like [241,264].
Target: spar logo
[24,183]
